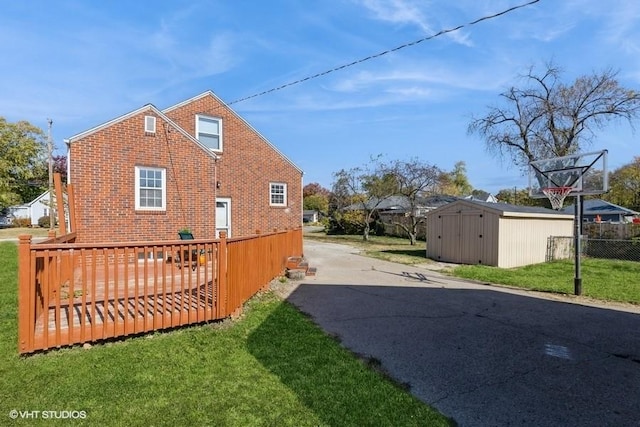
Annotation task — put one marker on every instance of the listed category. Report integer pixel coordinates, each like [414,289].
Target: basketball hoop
[557,195]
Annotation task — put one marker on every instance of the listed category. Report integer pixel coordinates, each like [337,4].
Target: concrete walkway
[482,355]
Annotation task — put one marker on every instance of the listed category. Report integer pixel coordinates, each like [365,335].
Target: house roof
[148,107]
[26,205]
[213,95]
[601,207]
[506,209]
[401,203]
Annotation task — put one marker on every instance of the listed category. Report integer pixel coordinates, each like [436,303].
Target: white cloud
[407,12]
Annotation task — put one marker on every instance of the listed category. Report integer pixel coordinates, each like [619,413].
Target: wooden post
[71,202]
[222,283]
[62,223]
[25,332]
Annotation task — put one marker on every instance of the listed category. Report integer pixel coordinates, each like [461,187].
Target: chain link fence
[561,247]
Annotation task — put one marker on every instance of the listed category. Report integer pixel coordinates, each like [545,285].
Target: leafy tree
[520,197]
[624,185]
[316,202]
[22,150]
[366,188]
[456,182]
[31,189]
[413,180]
[316,197]
[547,118]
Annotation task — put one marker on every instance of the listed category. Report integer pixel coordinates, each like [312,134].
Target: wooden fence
[72,293]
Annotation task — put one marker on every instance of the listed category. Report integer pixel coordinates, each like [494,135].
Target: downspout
[301,199]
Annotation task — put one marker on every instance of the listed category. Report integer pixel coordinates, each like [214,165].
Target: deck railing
[72,293]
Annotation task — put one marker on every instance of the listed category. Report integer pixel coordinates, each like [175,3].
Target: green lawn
[604,279]
[272,367]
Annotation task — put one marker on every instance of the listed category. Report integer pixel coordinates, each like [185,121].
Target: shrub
[21,222]
[44,221]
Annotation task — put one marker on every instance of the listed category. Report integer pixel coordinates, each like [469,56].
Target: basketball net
[557,195]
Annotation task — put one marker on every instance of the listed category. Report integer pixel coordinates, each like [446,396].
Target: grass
[13,233]
[271,367]
[607,280]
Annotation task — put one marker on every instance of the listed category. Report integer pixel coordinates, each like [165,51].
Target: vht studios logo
[48,415]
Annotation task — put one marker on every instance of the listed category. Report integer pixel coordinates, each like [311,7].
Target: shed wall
[523,241]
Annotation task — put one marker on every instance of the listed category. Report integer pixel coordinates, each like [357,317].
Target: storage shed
[497,234]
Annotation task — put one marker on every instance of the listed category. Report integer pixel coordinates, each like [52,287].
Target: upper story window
[209,132]
[151,189]
[277,194]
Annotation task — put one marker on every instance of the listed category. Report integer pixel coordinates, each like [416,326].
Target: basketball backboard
[584,173]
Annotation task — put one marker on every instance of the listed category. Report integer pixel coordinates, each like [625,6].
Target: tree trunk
[365,234]
[412,238]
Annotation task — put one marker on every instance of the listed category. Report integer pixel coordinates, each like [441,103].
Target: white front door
[223,216]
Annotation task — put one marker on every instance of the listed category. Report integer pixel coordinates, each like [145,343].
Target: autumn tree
[624,185]
[548,118]
[413,179]
[520,197]
[22,150]
[455,182]
[316,198]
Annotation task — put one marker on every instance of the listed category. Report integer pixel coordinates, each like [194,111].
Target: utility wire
[377,55]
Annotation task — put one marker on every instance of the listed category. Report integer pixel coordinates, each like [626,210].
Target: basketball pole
[577,244]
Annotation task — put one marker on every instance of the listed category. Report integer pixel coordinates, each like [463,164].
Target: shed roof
[506,209]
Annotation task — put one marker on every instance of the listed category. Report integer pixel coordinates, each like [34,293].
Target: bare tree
[414,180]
[547,118]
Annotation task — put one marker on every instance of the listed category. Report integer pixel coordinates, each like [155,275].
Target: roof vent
[149,124]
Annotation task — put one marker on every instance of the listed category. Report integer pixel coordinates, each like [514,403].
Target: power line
[377,55]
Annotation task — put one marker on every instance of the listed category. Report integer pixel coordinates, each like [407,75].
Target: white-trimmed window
[277,194]
[209,132]
[151,189]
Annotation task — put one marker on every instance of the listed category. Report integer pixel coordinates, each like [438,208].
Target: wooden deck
[133,298]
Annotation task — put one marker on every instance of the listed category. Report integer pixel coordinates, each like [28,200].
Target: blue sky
[82,63]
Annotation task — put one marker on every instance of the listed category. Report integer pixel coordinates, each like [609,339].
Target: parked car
[5,221]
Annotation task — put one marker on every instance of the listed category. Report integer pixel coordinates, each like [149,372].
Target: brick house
[198,165]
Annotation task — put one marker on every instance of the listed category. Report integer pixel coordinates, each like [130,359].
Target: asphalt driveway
[482,355]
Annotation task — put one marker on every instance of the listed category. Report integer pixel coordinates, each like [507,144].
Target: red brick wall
[102,172]
[246,166]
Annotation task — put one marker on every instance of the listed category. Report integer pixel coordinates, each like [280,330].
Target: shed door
[450,238]
[461,237]
[471,235]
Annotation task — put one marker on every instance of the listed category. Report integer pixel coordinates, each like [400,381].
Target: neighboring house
[310,216]
[395,206]
[33,210]
[594,210]
[198,165]
[482,196]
